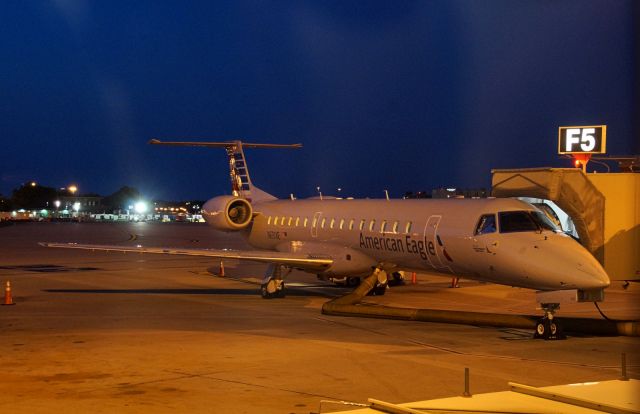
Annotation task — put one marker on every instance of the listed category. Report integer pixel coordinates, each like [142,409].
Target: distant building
[460,193]
[417,194]
[83,203]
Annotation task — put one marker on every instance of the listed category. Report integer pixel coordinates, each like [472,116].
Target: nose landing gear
[548,327]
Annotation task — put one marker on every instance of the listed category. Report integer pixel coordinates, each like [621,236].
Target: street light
[72,189]
[140,207]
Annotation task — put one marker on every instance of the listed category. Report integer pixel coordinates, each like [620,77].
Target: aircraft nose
[588,272]
[560,262]
[597,277]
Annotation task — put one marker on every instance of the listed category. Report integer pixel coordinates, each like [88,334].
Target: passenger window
[282,219]
[297,221]
[351,222]
[362,224]
[341,224]
[407,228]
[383,226]
[395,227]
[372,224]
[486,224]
[324,220]
[333,221]
[315,222]
[306,220]
[269,220]
[275,221]
[290,220]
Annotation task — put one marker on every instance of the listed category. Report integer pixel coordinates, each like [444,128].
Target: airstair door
[315,223]
[433,244]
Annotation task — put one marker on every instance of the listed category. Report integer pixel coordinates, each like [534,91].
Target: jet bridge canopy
[569,188]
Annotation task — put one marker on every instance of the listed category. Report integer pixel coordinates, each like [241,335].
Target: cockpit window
[515,221]
[487,224]
[544,221]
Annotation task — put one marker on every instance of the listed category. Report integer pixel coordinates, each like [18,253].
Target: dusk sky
[397,95]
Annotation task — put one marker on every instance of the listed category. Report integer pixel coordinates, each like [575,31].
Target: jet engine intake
[227,213]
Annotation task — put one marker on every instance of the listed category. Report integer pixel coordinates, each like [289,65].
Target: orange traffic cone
[7,295]
[221,272]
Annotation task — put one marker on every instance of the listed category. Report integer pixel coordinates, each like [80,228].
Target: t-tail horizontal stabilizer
[241,185]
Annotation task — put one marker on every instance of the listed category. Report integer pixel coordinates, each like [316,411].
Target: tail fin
[241,185]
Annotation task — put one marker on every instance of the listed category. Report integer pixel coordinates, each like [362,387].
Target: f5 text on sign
[590,139]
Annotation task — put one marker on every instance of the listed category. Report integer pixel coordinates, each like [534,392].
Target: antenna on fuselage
[241,185]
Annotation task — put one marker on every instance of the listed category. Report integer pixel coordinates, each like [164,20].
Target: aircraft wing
[297,260]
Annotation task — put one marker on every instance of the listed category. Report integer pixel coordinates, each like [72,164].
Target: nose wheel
[549,327]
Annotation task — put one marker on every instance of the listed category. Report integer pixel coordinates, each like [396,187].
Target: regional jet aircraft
[504,241]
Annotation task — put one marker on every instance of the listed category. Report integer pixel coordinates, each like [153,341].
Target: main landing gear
[381,284]
[548,327]
[273,283]
[396,279]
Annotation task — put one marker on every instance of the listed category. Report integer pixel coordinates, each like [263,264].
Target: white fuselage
[427,235]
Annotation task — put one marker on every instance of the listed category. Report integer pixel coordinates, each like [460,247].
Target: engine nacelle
[227,213]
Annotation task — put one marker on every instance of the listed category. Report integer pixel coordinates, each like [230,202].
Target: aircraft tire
[541,330]
[397,278]
[379,290]
[548,329]
[353,281]
[277,293]
[264,292]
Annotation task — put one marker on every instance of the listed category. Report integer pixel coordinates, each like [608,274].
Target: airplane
[498,240]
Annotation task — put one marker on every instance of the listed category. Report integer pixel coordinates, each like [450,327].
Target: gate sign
[582,139]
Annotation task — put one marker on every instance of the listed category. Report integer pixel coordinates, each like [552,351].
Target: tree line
[32,196]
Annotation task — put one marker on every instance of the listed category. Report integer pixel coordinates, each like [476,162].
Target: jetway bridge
[605,209]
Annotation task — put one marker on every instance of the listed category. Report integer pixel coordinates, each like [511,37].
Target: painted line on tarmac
[473,354]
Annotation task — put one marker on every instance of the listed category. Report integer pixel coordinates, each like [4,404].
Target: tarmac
[108,332]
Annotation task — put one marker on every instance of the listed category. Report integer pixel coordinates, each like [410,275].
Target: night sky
[398,95]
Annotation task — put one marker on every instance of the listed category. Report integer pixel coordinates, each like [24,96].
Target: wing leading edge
[297,260]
